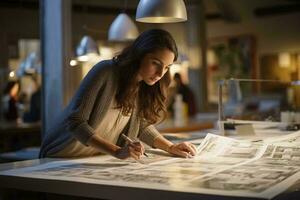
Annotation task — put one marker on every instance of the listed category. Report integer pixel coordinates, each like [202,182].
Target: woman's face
[155,65]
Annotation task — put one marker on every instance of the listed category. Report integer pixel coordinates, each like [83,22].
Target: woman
[125,95]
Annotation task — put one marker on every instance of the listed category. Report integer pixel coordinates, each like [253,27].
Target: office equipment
[235,104]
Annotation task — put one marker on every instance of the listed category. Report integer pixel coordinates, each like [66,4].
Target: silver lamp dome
[86,47]
[122,29]
[161,11]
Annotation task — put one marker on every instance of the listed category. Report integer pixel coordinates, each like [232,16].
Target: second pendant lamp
[86,48]
[122,29]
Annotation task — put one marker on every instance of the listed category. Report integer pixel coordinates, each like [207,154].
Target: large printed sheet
[223,166]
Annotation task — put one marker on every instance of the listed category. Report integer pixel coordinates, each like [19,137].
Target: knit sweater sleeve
[83,102]
[149,134]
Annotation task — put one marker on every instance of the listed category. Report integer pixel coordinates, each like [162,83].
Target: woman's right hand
[134,150]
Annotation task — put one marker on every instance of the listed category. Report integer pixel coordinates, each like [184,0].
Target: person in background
[34,113]
[186,93]
[124,95]
[10,101]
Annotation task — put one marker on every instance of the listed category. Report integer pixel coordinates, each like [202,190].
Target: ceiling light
[161,11]
[122,29]
[73,62]
[30,65]
[86,48]
[11,74]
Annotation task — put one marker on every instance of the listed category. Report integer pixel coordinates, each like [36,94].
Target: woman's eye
[156,64]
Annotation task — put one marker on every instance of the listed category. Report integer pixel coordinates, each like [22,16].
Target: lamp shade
[30,65]
[122,29]
[86,47]
[161,11]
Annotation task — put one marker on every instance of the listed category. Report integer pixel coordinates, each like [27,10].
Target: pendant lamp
[30,65]
[122,29]
[86,48]
[161,11]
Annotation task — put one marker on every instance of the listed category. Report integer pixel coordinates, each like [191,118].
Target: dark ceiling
[215,9]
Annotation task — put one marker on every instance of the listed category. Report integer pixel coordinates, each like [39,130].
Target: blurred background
[48,46]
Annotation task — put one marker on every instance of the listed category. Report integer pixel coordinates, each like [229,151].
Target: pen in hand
[131,141]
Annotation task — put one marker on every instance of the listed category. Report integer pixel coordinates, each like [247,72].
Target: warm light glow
[284,60]
[175,68]
[160,19]
[88,57]
[83,58]
[12,74]
[181,69]
[73,62]
[106,53]
[211,58]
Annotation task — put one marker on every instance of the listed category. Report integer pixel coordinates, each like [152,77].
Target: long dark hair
[151,99]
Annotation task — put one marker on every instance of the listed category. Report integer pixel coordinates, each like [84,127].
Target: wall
[274,33]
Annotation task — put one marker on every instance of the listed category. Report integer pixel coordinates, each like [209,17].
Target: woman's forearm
[162,143]
[102,145]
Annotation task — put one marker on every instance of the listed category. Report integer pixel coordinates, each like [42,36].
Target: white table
[105,191]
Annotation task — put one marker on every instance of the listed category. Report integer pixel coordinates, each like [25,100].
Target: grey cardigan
[86,110]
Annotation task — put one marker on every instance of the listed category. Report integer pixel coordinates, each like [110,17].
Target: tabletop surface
[105,190]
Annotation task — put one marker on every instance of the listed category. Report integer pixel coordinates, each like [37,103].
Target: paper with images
[223,166]
[292,139]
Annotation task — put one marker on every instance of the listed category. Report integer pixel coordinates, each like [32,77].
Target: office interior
[219,41]
[249,48]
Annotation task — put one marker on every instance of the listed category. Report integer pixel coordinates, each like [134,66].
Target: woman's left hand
[183,149]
